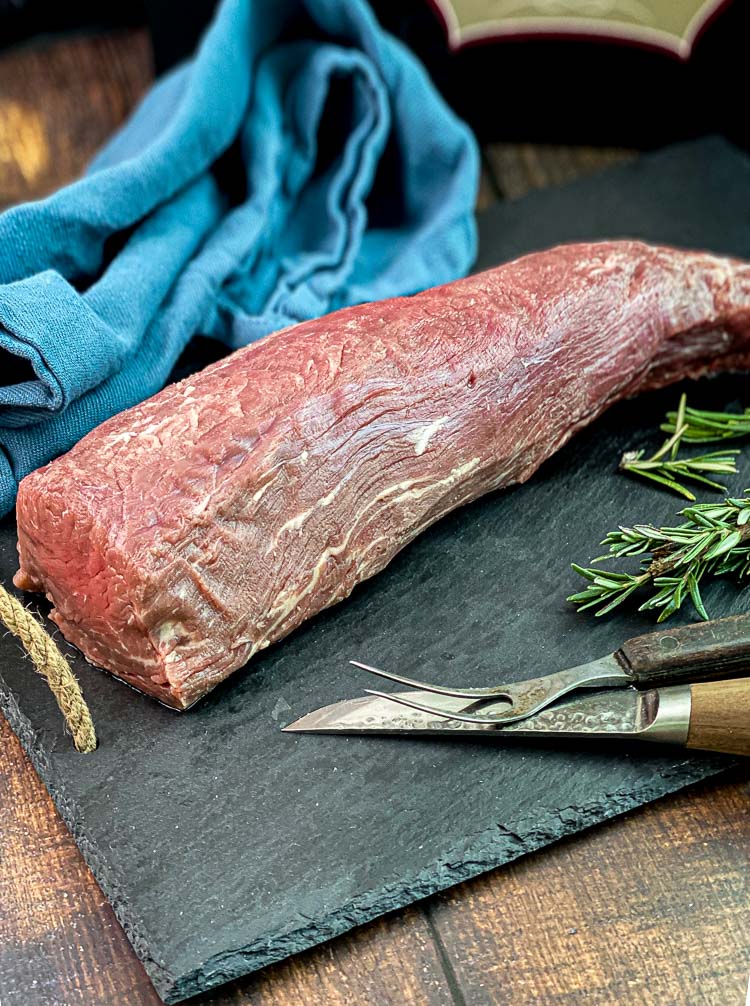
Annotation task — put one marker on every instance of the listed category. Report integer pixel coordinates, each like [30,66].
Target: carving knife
[708,716]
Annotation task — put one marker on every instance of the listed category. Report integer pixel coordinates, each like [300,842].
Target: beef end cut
[181,537]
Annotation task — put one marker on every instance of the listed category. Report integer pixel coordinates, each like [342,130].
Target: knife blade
[661,715]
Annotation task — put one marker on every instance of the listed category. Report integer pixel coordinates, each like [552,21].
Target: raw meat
[184,535]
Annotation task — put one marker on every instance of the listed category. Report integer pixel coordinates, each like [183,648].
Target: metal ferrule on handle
[671,720]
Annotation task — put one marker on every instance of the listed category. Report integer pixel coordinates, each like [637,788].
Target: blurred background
[543,90]
[545,109]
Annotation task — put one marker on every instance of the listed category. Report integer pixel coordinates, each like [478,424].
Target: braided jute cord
[53,666]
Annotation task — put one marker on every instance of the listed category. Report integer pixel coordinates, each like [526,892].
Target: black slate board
[224,844]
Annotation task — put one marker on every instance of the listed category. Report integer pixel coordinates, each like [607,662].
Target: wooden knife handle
[720,716]
[705,651]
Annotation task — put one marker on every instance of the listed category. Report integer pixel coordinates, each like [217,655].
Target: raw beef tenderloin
[184,535]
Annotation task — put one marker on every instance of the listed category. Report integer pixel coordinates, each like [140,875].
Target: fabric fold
[302,161]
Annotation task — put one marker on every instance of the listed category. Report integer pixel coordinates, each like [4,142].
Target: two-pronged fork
[705,651]
[680,686]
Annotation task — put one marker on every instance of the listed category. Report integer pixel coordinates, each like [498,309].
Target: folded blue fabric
[301,162]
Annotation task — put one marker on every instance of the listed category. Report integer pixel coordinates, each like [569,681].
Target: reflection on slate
[224,844]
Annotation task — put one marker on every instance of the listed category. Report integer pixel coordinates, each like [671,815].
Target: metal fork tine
[523,698]
[425,686]
[432,711]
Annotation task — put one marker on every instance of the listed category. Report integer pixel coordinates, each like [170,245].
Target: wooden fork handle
[705,651]
[720,716]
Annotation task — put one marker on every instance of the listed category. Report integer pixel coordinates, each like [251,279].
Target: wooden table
[647,910]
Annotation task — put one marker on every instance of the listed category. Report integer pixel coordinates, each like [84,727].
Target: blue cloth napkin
[302,161]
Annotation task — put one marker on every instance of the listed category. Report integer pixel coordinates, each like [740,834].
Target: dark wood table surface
[650,909]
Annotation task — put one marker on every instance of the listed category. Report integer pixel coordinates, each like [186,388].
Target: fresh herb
[713,541]
[667,469]
[702,426]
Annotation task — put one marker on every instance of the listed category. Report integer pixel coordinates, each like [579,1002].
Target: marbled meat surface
[181,537]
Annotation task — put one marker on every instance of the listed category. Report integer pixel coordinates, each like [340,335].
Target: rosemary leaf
[713,541]
[589,574]
[703,426]
[665,467]
[695,595]
[617,600]
[663,479]
[725,544]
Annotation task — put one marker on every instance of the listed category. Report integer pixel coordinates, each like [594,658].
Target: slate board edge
[493,848]
[72,818]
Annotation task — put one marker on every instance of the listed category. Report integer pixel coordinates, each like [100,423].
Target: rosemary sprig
[703,426]
[667,473]
[713,541]
[665,468]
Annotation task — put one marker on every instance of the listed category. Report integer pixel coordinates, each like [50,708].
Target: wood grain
[517,168]
[60,940]
[649,909]
[59,101]
[720,716]
[703,651]
[60,943]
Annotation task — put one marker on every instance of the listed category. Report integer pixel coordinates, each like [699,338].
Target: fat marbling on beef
[181,537]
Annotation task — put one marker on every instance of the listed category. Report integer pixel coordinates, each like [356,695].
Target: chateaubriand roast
[181,537]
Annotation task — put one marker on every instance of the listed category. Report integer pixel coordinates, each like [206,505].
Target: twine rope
[53,667]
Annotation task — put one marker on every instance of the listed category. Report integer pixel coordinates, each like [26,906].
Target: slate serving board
[224,844]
